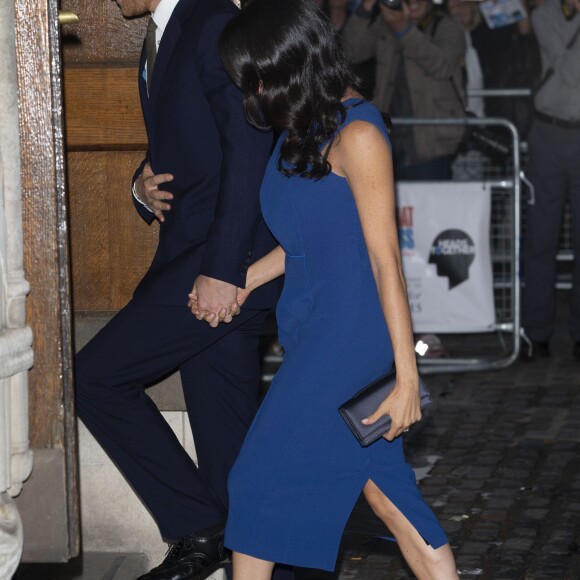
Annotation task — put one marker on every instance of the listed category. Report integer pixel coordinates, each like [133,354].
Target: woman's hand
[403,406]
[225,315]
[213,319]
[265,269]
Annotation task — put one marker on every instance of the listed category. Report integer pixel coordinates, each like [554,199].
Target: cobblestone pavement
[498,459]
[502,452]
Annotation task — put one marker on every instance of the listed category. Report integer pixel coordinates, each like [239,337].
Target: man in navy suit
[200,179]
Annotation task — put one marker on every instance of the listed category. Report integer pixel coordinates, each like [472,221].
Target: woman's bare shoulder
[360,143]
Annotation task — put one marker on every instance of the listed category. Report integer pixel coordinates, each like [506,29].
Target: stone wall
[15,336]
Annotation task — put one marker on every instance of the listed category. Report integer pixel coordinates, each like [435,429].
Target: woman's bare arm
[265,270]
[363,156]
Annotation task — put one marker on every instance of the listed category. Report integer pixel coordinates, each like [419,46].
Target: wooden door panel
[102,35]
[112,246]
[102,109]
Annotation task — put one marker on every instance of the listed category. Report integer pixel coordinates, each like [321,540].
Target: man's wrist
[404,31]
[136,196]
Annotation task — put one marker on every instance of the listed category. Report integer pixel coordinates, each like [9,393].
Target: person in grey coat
[419,53]
[554,170]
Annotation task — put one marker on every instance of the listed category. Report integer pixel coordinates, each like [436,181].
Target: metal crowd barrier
[507,229]
[505,185]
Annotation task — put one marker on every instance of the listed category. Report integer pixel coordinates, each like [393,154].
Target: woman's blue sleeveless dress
[300,470]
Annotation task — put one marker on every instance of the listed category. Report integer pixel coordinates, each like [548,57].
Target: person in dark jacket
[200,178]
[418,74]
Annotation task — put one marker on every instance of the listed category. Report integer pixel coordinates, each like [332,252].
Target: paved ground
[504,450]
[89,566]
[498,457]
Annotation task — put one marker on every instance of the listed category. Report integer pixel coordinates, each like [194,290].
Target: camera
[392,4]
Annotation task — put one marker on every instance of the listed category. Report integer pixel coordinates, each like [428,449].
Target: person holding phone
[418,53]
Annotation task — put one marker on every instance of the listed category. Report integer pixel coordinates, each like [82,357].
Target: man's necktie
[150,49]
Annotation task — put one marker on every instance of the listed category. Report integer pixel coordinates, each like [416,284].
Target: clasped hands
[212,300]
[215,301]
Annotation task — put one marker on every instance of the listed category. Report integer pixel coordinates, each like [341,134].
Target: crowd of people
[421,59]
[266,156]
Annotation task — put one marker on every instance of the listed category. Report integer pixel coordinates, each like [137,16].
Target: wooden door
[105,141]
[78,219]
[77,191]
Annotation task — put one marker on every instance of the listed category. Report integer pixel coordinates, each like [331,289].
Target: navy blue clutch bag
[365,402]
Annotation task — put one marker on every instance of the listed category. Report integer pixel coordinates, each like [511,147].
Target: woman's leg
[249,568]
[426,563]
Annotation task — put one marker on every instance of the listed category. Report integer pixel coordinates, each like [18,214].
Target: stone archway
[15,336]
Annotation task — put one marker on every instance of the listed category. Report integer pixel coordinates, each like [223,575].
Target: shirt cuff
[405,31]
[134,190]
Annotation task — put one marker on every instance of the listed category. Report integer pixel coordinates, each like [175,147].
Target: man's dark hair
[289,61]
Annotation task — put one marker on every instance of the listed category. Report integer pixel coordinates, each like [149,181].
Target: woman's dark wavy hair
[288,60]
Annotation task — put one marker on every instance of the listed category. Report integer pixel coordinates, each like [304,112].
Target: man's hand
[213,300]
[226,315]
[398,20]
[147,190]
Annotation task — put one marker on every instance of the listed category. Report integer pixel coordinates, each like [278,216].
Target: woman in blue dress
[328,197]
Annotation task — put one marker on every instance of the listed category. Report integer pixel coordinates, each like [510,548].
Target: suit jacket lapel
[169,40]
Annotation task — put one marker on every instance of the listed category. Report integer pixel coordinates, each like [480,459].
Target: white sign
[444,231]
[499,13]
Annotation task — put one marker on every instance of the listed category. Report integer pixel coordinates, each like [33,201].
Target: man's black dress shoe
[533,350]
[193,557]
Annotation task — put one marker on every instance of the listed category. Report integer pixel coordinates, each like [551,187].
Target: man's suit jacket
[197,131]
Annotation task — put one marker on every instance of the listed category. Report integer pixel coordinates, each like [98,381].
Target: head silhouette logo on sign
[452,252]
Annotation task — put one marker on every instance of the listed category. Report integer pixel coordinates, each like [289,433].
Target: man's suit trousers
[220,373]
[554,170]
